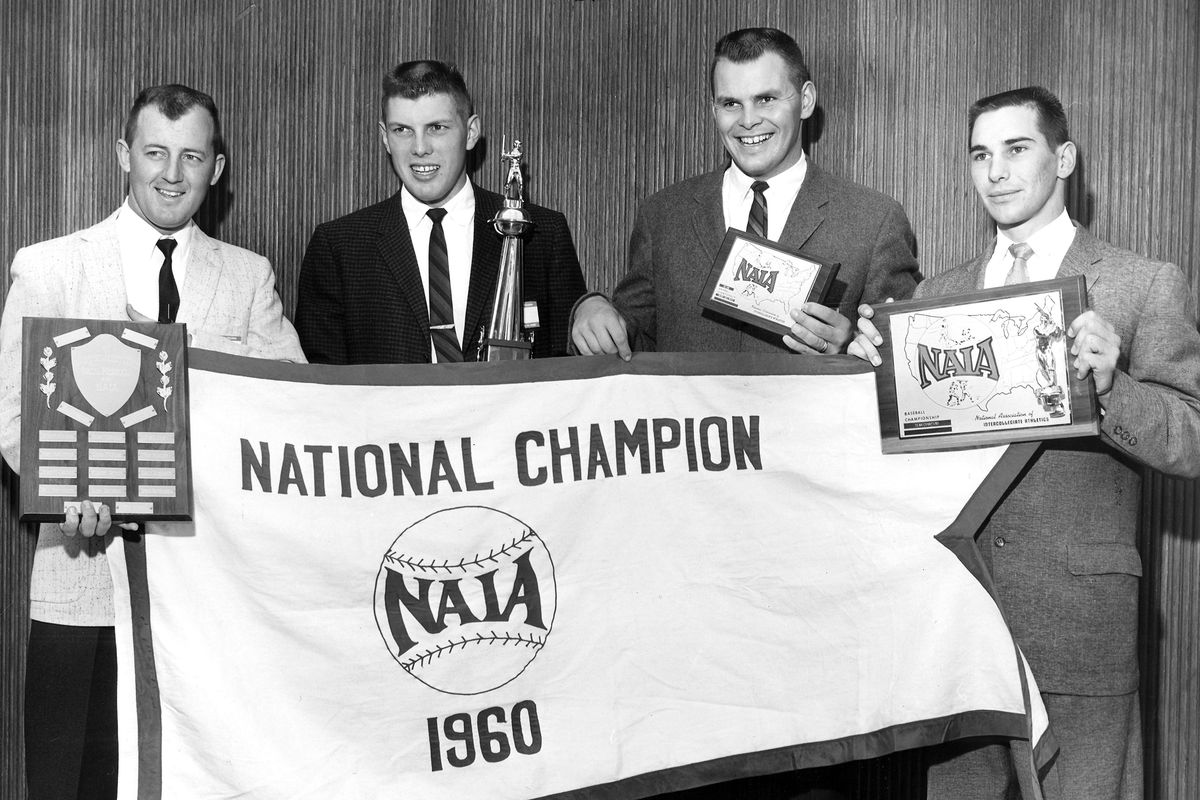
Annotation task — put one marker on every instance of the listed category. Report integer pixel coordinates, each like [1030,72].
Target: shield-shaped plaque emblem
[106,371]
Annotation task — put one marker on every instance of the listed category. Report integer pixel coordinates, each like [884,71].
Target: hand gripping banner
[572,578]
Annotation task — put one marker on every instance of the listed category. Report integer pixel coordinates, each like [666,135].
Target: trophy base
[507,350]
[1051,399]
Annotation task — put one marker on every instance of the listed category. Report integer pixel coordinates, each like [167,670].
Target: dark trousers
[818,783]
[71,713]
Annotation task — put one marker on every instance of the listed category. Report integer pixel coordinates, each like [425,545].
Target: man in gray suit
[1061,546]
[762,96]
[147,260]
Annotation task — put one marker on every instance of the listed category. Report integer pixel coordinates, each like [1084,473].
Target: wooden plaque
[755,280]
[982,368]
[104,417]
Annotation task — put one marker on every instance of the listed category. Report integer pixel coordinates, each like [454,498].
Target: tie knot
[437,215]
[167,246]
[1020,250]
[758,187]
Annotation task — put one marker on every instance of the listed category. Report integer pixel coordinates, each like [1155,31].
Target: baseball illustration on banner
[465,599]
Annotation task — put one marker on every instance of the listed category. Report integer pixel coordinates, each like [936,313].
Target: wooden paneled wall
[609,97]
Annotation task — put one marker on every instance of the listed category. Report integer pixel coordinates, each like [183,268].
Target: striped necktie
[757,223]
[441,301]
[1019,273]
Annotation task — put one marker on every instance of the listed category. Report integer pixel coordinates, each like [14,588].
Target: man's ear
[808,99]
[123,155]
[474,129]
[383,137]
[1066,159]
[217,170]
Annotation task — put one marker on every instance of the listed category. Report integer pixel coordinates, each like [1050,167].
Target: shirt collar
[460,208]
[136,232]
[786,183]
[1050,242]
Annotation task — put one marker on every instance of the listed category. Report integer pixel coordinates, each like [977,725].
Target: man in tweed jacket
[1061,546]
[365,279]
[172,152]
[762,95]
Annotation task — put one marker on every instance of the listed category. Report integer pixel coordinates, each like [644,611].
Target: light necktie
[1019,273]
[441,301]
[168,292]
[757,223]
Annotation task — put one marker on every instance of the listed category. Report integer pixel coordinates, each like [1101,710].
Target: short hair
[1052,120]
[173,100]
[749,44]
[414,79]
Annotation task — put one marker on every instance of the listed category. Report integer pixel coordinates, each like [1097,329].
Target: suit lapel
[708,215]
[1083,258]
[200,284]
[485,265]
[977,267]
[808,210]
[396,251]
[104,273]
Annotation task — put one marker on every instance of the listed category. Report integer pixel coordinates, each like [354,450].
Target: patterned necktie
[441,302]
[168,292]
[757,223]
[1020,268]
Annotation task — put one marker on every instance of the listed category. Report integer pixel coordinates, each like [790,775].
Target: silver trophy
[509,333]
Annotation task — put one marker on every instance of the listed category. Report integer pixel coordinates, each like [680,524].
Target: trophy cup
[509,333]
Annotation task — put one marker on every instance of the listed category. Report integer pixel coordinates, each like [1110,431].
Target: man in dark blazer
[1061,546]
[365,278]
[762,94]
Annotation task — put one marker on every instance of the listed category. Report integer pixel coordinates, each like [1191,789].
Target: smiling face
[760,113]
[1020,177]
[171,164]
[428,139]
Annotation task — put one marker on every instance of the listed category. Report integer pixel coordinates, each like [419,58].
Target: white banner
[570,576]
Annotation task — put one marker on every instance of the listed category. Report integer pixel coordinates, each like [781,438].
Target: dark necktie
[441,301]
[1019,273]
[168,292]
[757,224]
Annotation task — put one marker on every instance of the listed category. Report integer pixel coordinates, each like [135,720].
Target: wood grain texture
[610,98]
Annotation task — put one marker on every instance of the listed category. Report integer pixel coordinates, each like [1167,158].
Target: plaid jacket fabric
[229,304]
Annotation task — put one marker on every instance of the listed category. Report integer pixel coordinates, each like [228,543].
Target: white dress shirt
[459,227]
[737,196]
[1050,245]
[141,259]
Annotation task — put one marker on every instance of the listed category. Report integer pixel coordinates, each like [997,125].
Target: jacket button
[999,540]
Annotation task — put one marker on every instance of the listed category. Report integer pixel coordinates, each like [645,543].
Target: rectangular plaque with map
[756,280]
[104,417]
[988,367]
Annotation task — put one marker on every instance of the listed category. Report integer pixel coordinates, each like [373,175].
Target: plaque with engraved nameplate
[104,417]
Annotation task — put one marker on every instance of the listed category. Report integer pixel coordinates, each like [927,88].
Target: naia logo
[956,363]
[465,599]
[763,277]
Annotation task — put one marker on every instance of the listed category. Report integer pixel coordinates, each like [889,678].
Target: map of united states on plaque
[987,360]
[776,285]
